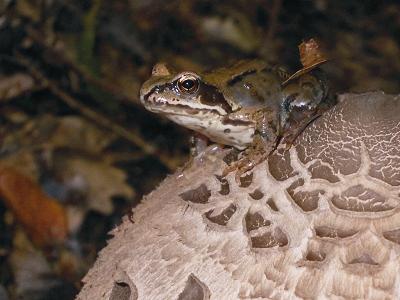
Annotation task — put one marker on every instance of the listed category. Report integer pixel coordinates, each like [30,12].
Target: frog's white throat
[172,105]
[213,126]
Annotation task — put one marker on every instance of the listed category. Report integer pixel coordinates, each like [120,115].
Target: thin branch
[101,83]
[95,116]
[273,19]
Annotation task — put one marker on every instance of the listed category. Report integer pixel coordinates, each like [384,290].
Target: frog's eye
[188,84]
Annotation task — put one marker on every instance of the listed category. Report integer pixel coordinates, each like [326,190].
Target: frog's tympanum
[250,105]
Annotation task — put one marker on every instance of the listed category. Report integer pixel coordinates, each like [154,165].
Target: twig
[93,115]
[102,84]
[273,19]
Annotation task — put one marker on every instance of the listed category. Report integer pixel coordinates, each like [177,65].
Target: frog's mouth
[183,110]
[158,103]
[163,106]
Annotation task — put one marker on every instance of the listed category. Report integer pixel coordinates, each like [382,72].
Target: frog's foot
[288,142]
[246,163]
[295,130]
[201,157]
[198,144]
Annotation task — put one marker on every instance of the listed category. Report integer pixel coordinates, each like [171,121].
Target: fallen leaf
[14,85]
[42,217]
[94,178]
[311,56]
[71,149]
[29,9]
[24,162]
[52,132]
[78,133]
[236,29]
[34,276]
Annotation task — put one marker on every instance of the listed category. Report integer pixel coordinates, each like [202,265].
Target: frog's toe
[288,146]
[241,166]
[248,160]
[245,166]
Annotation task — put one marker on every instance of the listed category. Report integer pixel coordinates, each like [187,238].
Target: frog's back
[251,83]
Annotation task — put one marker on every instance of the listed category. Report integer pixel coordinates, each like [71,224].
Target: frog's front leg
[305,99]
[264,142]
[198,143]
[198,147]
[295,128]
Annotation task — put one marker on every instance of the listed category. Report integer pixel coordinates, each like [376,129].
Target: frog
[250,106]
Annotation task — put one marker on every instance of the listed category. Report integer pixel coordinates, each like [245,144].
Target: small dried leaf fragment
[311,54]
[43,218]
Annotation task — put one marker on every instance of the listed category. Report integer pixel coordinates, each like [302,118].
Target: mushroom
[318,221]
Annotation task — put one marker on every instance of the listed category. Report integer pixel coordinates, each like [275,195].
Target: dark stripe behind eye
[239,77]
[209,95]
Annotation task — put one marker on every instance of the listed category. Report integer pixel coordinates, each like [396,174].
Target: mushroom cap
[320,220]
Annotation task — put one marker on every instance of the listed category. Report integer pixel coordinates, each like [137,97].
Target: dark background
[87,60]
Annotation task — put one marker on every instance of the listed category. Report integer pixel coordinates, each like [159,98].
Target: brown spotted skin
[318,221]
[250,106]
[246,105]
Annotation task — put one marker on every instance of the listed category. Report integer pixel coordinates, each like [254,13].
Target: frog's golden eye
[188,84]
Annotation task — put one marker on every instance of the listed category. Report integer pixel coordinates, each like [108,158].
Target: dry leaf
[311,56]
[34,276]
[78,133]
[43,218]
[236,29]
[52,132]
[98,180]
[24,162]
[15,85]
